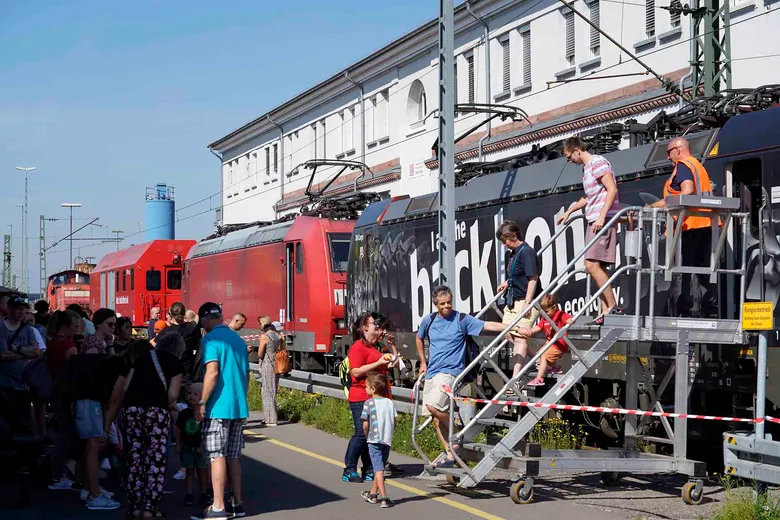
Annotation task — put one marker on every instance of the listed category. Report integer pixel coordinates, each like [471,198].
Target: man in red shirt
[556,350]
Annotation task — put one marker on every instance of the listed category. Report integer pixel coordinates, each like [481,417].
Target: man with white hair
[154,315]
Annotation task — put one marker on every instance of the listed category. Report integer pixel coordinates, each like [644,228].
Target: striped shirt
[595,192]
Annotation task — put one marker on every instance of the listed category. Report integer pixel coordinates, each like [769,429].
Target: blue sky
[106,98]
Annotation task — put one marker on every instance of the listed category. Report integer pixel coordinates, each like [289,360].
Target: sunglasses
[670,150]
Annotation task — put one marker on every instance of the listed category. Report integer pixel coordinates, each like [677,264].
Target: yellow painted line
[394,483]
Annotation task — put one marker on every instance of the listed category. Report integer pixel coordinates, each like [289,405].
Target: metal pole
[71,238]
[761,384]
[446,143]
[25,273]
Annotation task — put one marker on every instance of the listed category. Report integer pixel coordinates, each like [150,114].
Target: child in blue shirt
[378,425]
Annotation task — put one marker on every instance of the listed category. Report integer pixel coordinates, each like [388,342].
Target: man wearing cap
[22,367]
[223,407]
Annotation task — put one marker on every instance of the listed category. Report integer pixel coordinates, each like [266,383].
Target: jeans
[358,444]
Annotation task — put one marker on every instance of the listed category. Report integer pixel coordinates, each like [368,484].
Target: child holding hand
[556,350]
[188,444]
[378,425]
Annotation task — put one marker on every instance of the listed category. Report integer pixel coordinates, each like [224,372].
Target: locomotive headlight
[341,324]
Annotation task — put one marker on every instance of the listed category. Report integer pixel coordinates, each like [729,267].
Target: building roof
[423,37]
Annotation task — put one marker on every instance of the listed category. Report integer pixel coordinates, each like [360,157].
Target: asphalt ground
[294,471]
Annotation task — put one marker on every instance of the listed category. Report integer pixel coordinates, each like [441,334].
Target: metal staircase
[526,460]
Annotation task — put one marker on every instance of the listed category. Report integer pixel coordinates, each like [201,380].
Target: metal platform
[513,452]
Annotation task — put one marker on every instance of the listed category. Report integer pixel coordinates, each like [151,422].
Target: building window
[314,139]
[526,37]
[417,105]
[506,61]
[322,149]
[247,166]
[674,19]
[268,161]
[472,93]
[346,130]
[380,116]
[650,17]
[276,158]
[569,20]
[595,35]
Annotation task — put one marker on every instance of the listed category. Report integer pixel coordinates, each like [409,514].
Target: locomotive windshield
[339,251]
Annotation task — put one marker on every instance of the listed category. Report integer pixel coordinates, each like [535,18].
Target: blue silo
[160,213]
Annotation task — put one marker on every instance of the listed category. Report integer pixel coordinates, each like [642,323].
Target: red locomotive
[136,279]
[67,287]
[293,271]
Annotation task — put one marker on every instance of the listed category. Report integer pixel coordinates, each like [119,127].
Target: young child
[378,425]
[188,444]
[557,349]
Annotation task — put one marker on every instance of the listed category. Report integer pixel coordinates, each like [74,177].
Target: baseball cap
[277,326]
[209,309]
[17,301]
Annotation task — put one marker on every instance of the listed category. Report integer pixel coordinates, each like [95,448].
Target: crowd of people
[119,404]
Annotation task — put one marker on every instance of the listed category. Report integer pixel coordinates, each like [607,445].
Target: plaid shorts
[223,437]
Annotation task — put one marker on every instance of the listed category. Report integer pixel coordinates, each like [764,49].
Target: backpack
[472,348]
[344,376]
[83,375]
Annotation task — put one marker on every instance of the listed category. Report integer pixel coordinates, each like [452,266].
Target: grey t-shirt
[13,369]
[380,414]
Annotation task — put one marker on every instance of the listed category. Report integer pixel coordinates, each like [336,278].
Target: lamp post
[117,232]
[26,170]
[71,205]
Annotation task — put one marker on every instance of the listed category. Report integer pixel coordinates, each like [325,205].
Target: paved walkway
[294,472]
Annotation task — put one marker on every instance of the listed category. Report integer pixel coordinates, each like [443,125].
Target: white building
[374,111]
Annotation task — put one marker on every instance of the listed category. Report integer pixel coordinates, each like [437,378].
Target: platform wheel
[519,495]
[452,480]
[611,478]
[689,494]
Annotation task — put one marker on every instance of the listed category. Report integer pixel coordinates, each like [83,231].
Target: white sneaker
[102,503]
[180,475]
[104,492]
[62,484]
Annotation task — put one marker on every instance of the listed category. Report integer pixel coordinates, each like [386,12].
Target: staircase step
[456,471]
[497,422]
[523,448]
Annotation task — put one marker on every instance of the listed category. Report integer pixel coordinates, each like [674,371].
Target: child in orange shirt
[557,349]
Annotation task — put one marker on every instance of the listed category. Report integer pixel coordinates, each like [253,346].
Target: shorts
[552,354]
[192,458]
[223,438]
[379,454]
[433,394]
[604,249]
[511,314]
[89,419]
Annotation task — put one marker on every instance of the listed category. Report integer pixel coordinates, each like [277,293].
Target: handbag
[281,360]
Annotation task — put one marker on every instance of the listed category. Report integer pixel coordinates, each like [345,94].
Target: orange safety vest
[703,186]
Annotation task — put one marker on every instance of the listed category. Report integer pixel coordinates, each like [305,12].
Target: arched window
[417,105]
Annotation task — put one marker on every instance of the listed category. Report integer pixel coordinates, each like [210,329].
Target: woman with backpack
[364,357]
[146,392]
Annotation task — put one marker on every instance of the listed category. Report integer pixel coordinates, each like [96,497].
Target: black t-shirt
[190,428]
[683,174]
[96,375]
[190,331]
[520,264]
[146,389]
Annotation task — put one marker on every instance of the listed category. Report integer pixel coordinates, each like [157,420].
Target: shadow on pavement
[266,490]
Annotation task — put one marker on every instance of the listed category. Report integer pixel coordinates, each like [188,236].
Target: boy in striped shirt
[600,203]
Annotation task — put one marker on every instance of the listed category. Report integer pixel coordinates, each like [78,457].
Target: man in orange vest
[689,178]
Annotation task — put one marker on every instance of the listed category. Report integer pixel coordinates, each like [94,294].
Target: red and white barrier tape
[602,409]
[251,336]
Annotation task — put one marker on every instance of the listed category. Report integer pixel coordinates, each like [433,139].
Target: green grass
[746,504]
[333,416]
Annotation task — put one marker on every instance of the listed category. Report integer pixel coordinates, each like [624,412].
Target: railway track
[312,383]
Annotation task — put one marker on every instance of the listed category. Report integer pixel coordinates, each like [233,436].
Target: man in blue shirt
[446,332]
[223,407]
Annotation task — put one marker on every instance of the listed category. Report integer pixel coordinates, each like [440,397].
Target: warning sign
[757,316]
